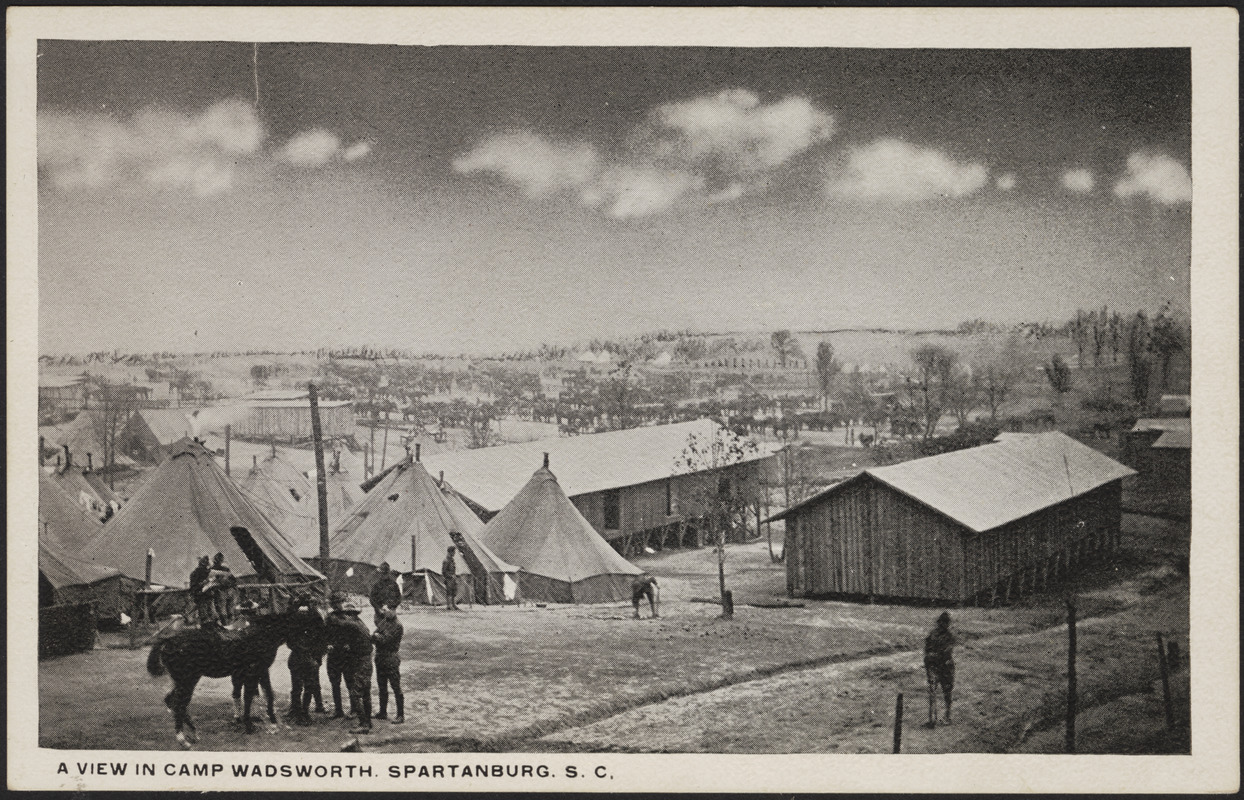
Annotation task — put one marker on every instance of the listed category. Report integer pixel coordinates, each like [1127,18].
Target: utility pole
[321,479]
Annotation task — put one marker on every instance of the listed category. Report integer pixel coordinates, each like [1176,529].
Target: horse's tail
[155,660]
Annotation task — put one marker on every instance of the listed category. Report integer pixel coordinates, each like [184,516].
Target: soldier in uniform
[449,571]
[306,652]
[939,665]
[202,600]
[388,640]
[349,637]
[337,658]
[384,592]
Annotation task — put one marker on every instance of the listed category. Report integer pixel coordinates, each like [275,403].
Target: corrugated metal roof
[985,487]
[490,477]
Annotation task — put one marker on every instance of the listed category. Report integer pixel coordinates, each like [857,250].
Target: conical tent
[188,508]
[63,523]
[409,520]
[564,560]
[288,500]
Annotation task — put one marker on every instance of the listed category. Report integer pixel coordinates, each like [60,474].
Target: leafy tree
[1058,374]
[786,346]
[721,500]
[1166,341]
[827,368]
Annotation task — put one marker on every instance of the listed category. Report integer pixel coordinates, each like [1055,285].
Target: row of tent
[538,548]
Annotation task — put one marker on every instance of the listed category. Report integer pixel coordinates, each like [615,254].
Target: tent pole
[321,479]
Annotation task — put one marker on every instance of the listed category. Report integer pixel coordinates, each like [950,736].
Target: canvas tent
[65,528]
[409,520]
[288,500]
[564,560]
[188,508]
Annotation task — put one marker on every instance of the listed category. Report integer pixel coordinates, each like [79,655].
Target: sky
[200,196]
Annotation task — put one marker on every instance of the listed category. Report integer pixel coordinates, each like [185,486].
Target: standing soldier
[388,640]
[220,585]
[306,652]
[202,600]
[449,571]
[644,585]
[384,592]
[939,665]
[337,618]
[352,639]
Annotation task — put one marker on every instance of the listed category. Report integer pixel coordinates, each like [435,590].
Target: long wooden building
[974,525]
[632,485]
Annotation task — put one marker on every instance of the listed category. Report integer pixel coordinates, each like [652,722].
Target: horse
[245,656]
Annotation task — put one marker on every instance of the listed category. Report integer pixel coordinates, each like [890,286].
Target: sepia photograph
[459,407]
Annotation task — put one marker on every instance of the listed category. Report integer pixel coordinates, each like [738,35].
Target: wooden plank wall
[289,421]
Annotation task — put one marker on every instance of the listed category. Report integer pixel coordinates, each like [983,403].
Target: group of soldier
[212,589]
[351,648]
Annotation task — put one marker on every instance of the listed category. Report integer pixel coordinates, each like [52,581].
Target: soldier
[202,600]
[220,586]
[384,592]
[449,571]
[939,665]
[388,640]
[644,585]
[337,658]
[350,637]
[306,652]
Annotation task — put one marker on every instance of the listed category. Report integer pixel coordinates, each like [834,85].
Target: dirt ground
[814,676]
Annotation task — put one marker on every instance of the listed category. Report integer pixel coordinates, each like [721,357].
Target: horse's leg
[250,689]
[237,697]
[265,683]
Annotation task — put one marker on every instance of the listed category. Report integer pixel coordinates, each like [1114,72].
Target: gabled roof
[1183,424]
[543,532]
[185,509]
[490,477]
[1174,439]
[408,502]
[985,487]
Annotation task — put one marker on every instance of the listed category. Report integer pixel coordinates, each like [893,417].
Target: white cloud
[537,166]
[743,134]
[206,153]
[1079,181]
[633,192]
[893,170]
[1006,182]
[709,149]
[356,151]
[1160,177]
[313,148]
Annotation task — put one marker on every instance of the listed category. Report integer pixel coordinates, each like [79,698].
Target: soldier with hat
[337,658]
[350,637]
[384,592]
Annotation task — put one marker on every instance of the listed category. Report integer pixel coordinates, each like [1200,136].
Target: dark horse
[244,655]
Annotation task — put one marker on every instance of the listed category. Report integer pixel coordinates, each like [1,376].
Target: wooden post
[147,585]
[228,431]
[898,723]
[413,553]
[1166,684]
[1071,676]
[321,479]
[384,445]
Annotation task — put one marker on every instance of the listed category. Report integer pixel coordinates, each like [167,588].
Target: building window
[613,509]
[669,497]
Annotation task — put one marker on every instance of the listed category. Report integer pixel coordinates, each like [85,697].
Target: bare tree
[1167,339]
[935,366]
[1115,327]
[1100,324]
[114,405]
[962,391]
[1138,358]
[1058,374]
[716,494]
[827,368]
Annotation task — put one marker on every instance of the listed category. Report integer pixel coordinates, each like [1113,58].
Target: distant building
[1160,449]
[625,483]
[285,415]
[60,398]
[1175,405]
[973,525]
[150,433]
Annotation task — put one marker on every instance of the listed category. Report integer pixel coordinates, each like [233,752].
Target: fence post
[1071,676]
[898,723]
[1166,684]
